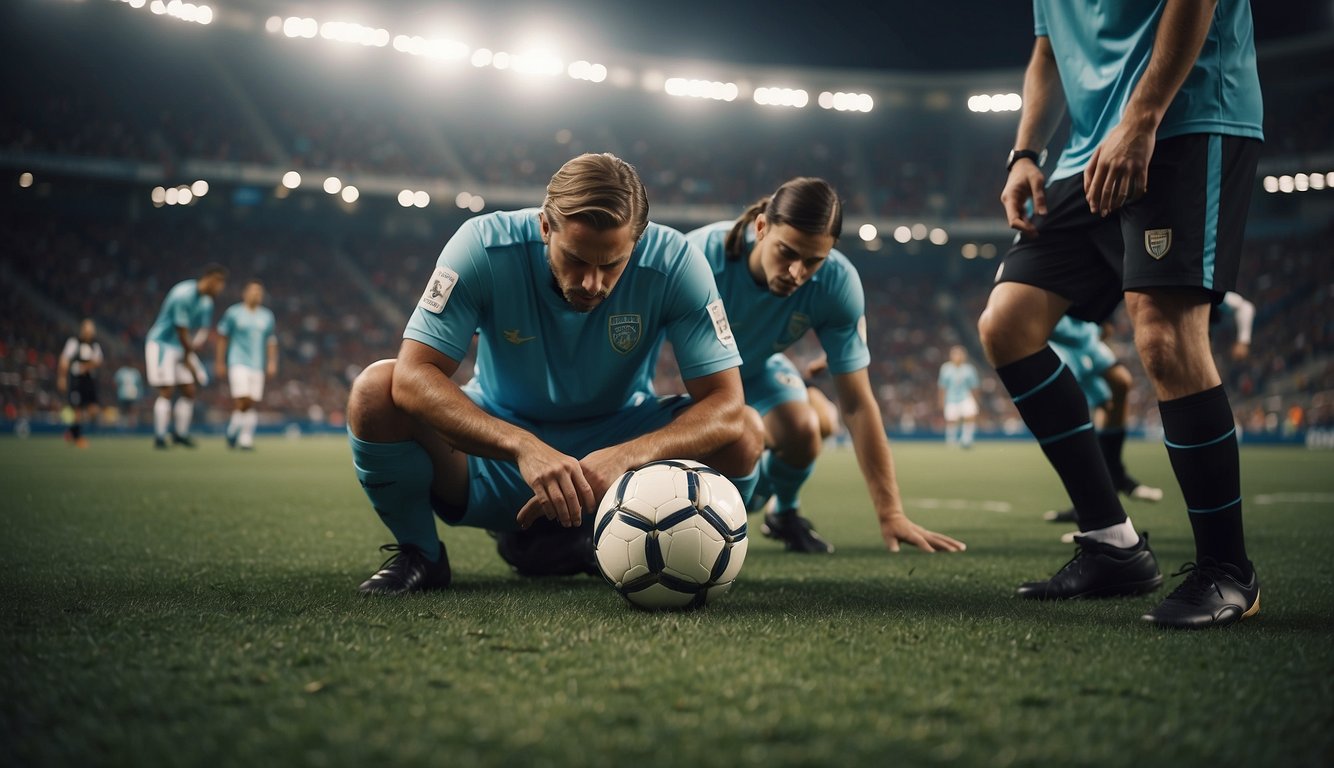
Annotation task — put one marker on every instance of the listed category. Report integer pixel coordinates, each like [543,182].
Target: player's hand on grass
[898,529]
[1118,172]
[560,490]
[1026,182]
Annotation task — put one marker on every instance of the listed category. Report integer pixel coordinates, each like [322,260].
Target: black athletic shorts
[1186,231]
[82,390]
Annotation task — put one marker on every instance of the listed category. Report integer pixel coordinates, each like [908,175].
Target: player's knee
[996,335]
[803,440]
[740,457]
[1158,351]
[370,404]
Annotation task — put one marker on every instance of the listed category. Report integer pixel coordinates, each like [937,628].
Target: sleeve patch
[861,328]
[721,328]
[438,288]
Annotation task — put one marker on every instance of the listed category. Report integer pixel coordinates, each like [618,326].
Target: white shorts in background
[245,382]
[964,409]
[166,366]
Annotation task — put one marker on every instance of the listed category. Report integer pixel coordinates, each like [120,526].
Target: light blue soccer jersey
[1102,48]
[183,307]
[1079,345]
[831,303]
[958,381]
[248,332]
[540,360]
[129,383]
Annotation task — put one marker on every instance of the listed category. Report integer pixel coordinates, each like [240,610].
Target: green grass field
[196,608]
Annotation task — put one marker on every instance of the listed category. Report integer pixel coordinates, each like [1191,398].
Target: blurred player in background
[1242,313]
[76,376]
[958,385]
[247,352]
[1106,384]
[571,303]
[129,388]
[1149,197]
[781,277]
[181,328]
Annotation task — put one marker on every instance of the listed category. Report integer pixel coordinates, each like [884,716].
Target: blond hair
[602,190]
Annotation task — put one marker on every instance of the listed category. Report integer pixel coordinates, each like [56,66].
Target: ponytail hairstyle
[805,203]
[602,191]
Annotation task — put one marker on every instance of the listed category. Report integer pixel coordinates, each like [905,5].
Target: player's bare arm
[62,375]
[183,334]
[1044,104]
[1119,168]
[220,356]
[422,388]
[271,358]
[713,421]
[861,413]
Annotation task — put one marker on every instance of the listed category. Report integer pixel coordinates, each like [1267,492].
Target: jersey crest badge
[624,331]
[438,288]
[1157,242]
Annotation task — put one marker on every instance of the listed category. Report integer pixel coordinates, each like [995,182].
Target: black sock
[1201,439]
[76,430]
[1054,408]
[1111,441]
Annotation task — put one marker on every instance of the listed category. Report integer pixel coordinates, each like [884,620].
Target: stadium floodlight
[405,198]
[421,198]
[159,8]
[332,185]
[771,96]
[295,26]
[902,234]
[537,62]
[987,251]
[919,231]
[350,194]
[476,204]
[463,199]
[587,70]
[867,232]
[273,25]
[501,60]
[842,101]
[291,180]
[969,250]
[1301,182]
[352,32]
[25,179]
[1329,179]
[171,196]
[1271,184]
[199,188]
[137,3]
[431,48]
[184,196]
[1285,184]
[995,102]
[700,89]
[481,57]
[158,195]
[1317,181]
[938,236]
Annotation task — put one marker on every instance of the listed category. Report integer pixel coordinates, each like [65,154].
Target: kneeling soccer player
[570,303]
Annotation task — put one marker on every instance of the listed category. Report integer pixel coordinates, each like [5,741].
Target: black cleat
[407,570]
[1212,595]
[1100,570]
[1061,515]
[182,440]
[160,443]
[795,532]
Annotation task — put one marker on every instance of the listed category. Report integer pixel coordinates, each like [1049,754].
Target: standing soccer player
[1149,197]
[247,351]
[958,396]
[570,303]
[780,277]
[179,331]
[129,388]
[76,376]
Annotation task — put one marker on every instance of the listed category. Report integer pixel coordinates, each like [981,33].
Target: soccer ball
[671,534]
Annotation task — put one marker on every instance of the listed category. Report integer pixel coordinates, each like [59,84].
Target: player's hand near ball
[560,490]
[602,467]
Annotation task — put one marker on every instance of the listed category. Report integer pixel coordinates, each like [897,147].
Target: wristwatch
[1019,154]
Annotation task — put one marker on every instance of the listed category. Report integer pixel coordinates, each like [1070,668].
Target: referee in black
[77,377]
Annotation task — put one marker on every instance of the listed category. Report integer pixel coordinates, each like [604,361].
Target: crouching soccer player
[570,303]
[780,277]
[181,328]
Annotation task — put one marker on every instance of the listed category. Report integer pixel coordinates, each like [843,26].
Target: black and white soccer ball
[671,534]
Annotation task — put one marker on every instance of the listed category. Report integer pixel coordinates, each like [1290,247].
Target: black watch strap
[1020,154]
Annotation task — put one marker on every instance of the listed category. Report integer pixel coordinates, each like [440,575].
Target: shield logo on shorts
[1157,242]
[624,331]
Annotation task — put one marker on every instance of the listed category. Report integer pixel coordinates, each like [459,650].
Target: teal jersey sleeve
[456,295]
[178,311]
[841,326]
[1039,19]
[227,325]
[202,316]
[697,323]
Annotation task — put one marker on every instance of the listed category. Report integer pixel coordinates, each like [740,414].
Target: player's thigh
[778,383]
[1076,255]
[1187,230]
[161,362]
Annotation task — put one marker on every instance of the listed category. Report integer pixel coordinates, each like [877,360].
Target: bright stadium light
[1329,179]
[332,185]
[421,198]
[841,101]
[918,231]
[184,196]
[902,234]
[1271,184]
[295,26]
[158,195]
[476,204]
[463,199]
[700,89]
[171,196]
[938,236]
[969,250]
[1285,184]
[867,232]
[350,194]
[273,25]
[291,180]
[25,179]
[481,57]
[537,62]
[995,102]
[781,97]
[158,7]
[357,34]
[1317,181]
[432,48]
[987,251]
[501,60]
[405,198]
[199,188]
[1301,182]
[586,70]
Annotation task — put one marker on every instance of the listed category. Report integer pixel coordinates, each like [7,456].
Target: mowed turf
[194,608]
